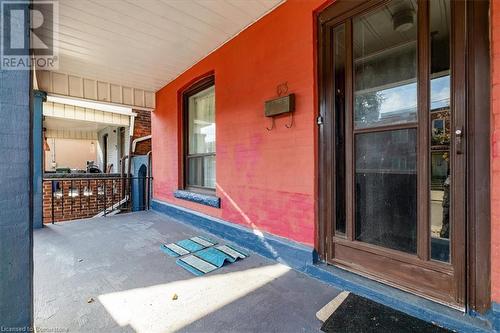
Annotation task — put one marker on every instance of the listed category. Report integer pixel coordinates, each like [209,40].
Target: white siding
[113,147]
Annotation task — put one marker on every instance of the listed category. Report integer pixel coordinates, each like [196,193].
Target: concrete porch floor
[117,261]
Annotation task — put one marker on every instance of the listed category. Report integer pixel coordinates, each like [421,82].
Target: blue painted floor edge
[400,300]
[274,247]
[304,259]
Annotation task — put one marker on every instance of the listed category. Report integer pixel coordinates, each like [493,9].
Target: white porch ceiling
[71,129]
[145,44]
[70,117]
[58,124]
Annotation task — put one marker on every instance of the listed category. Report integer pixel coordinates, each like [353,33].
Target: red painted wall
[495,151]
[265,179]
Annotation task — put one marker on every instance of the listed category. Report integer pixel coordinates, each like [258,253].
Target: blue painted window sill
[203,199]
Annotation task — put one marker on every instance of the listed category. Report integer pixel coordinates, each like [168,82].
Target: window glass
[201,171]
[386,189]
[385,65]
[201,139]
[440,135]
[202,122]
[339,120]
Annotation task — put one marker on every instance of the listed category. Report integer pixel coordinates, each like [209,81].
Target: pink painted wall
[265,179]
[495,151]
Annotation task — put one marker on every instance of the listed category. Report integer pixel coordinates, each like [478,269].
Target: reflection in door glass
[385,65]
[385,94]
[386,189]
[440,122]
[339,114]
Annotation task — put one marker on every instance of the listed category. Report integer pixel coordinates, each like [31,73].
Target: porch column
[16,259]
[38,163]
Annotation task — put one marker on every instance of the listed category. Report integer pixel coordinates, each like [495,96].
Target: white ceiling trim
[127,111]
[89,116]
[82,88]
[70,134]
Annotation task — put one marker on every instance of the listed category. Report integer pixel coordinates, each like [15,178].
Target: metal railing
[70,198]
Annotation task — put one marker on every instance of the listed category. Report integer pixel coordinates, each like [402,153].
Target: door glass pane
[339,120]
[385,65]
[201,121]
[440,122]
[386,189]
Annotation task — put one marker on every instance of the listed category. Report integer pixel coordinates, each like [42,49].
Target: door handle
[319,120]
[459,135]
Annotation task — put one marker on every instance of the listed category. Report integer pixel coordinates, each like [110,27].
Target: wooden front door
[392,151]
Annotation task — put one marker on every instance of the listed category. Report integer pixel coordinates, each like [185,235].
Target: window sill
[203,199]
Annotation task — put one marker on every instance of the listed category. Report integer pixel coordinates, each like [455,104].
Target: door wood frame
[478,163]
[476,97]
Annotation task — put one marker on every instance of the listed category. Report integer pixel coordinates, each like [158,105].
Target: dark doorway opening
[105,153]
[142,178]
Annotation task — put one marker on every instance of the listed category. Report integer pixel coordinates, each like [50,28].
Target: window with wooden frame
[199,136]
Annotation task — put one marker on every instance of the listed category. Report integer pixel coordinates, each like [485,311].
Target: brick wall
[142,127]
[88,204]
[89,201]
